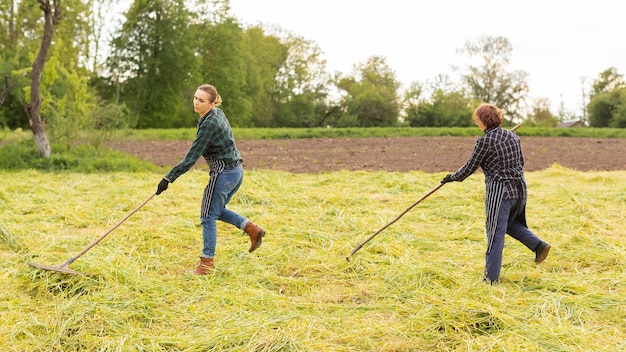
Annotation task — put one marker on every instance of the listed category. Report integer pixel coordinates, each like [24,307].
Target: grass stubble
[415,287]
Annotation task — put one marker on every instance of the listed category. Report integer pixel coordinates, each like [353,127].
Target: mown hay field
[415,287]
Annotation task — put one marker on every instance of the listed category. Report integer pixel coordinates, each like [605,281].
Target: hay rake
[64,267]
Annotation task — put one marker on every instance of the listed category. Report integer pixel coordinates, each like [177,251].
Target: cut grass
[415,287]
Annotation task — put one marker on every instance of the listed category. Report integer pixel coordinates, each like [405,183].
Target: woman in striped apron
[215,142]
[499,154]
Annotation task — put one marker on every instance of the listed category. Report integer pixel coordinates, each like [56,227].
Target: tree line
[61,72]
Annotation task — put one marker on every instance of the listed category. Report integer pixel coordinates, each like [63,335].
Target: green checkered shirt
[214,141]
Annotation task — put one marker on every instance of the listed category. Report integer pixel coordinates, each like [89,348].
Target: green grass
[415,287]
[296,133]
[23,155]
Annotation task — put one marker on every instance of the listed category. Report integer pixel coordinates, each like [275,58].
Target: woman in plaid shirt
[499,154]
[215,142]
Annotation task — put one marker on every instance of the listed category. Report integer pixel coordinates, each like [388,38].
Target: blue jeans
[218,192]
[511,221]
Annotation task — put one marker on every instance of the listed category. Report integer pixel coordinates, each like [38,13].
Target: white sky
[557,42]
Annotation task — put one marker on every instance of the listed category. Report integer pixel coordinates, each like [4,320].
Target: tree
[442,109]
[447,105]
[152,57]
[608,109]
[607,81]
[66,52]
[266,54]
[52,14]
[607,106]
[69,102]
[223,64]
[7,18]
[489,80]
[301,84]
[371,95]
[18,46]
[5,90]
[411,101]
[541,115]
[619,114]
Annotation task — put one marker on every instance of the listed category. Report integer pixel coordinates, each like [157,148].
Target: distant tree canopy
[370,95]
[489,79]
[541,115]
[145,74]
[607,105]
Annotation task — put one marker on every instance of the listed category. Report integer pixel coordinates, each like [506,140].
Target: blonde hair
[214,96]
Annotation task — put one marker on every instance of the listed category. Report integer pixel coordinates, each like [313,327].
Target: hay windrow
[416,286]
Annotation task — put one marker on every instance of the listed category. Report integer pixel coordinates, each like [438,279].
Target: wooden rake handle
[71,260]
[404,212]
[394,220]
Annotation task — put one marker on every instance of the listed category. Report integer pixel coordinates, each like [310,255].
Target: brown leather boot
[205,266]
[542,252]
[256,234]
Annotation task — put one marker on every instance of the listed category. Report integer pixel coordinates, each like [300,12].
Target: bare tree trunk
[32,109]
[5,90]
[10,45]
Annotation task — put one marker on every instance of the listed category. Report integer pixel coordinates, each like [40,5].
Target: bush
[84,158]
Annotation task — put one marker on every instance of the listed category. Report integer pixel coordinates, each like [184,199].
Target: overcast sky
[557,42]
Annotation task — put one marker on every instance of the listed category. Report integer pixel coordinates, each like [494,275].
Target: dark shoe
[206,266]
[542,252]
[490,282]
[256,234]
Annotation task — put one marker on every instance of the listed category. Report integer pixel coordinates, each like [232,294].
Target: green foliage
[302,85]
[356,132]
[16,58]
[441,110]
[18,50]
[607,81]
[490,81]
[266,54]
[153,54]
[16,135]
[619,115]
[321,132]
[105,120]
[69,103]
[371,94]
[608,109]
[541,115]
[227,71]
[83,158]
[267,76]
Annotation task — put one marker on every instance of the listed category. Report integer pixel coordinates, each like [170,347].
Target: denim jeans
[511,221]
[218,192]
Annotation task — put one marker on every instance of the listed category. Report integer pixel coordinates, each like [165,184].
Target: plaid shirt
[499,154]
[214,141]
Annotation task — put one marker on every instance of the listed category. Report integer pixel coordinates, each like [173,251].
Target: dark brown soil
[428,154]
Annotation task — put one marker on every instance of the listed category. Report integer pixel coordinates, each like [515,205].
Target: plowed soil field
[428,154]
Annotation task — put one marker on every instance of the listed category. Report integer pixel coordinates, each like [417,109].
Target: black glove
[446,179]
[162,186]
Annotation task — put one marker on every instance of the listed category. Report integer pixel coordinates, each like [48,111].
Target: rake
[405,211]
[64,268]
[394,220]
